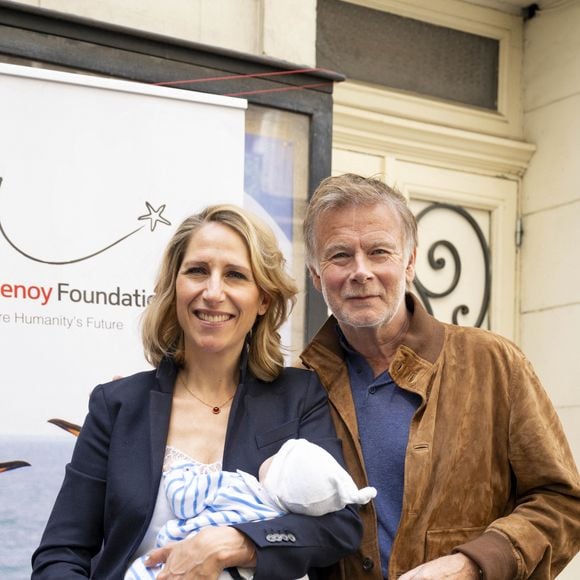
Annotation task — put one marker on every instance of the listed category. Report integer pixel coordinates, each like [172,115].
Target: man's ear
[315,278]
[410,268]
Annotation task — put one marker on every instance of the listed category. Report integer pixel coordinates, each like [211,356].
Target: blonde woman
[220,397]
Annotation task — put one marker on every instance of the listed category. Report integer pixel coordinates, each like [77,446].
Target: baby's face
[262,472]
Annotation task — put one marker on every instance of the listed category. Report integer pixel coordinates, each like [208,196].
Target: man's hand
[205,555]
[454,567]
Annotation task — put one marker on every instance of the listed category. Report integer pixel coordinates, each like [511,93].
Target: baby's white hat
[305,479]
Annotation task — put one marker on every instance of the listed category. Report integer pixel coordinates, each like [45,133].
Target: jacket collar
[419,350]
[425,335]
[166,375]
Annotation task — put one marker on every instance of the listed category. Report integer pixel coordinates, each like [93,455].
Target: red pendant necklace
[215,409]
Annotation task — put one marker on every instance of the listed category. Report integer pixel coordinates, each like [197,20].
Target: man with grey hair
[474,475]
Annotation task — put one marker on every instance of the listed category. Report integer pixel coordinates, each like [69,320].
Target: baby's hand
[263,471]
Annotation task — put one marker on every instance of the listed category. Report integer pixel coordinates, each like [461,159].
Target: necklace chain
[215,409]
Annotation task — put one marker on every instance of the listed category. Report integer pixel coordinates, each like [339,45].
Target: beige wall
[279,29]
[550,257]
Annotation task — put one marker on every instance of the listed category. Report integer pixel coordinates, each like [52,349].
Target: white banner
[95,176]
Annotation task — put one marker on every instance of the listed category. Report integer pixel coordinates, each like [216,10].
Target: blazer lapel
[159,413]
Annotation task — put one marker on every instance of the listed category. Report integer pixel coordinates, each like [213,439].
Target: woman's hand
[205,555]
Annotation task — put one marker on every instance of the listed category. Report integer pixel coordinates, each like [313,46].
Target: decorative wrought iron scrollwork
[439,263]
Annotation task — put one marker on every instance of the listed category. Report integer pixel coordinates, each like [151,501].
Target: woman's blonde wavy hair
[160,331]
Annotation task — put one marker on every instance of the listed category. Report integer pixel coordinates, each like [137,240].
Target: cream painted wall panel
[283,30]
[553,177]
[232,24]
[553,367]
[554,370]
[552,55]
[550,274]
[345,161]
[290,30]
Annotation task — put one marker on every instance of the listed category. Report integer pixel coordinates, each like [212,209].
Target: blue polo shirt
[384,412]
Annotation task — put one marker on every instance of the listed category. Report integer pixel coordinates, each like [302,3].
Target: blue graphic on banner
[27,496]
[269,177]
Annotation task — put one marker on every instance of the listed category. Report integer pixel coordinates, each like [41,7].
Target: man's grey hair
[353,190]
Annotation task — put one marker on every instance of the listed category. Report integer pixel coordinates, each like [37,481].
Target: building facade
[468,105]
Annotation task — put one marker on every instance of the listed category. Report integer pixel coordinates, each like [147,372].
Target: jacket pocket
[281,434]
[441,542]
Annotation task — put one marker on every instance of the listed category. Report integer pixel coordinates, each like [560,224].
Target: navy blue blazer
[108,495]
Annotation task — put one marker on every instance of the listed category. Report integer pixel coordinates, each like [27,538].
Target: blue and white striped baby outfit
[200,499]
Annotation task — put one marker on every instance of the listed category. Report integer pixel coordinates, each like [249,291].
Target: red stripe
[277,90]
[244,76]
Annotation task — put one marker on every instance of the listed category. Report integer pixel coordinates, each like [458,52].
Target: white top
[163,512]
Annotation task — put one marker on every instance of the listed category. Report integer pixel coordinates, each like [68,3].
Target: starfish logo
[154,216]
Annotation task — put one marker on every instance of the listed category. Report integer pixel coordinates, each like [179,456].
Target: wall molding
[376,121]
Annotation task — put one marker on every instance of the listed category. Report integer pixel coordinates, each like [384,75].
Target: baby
[300,478]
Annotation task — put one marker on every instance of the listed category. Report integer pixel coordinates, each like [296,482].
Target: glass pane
[381,48]
[276,188]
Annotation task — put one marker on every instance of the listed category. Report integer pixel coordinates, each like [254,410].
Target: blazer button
[368,564]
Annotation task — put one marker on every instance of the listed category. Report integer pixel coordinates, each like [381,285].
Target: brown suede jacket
[488,471]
